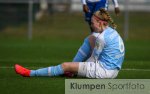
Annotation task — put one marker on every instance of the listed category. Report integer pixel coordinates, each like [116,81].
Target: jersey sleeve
[83,2]
[115,3]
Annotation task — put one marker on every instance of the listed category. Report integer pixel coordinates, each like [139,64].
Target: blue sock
[56,70]
[83,52]
[39,72]
[50,71]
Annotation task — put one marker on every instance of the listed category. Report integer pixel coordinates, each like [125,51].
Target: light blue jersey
[109,49]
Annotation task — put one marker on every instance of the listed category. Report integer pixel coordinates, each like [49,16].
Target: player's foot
[22,71]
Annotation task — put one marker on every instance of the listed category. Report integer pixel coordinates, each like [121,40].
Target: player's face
[95,24]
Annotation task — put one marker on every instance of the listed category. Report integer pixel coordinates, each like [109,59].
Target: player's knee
[92,41]
[65,66]
[91,38]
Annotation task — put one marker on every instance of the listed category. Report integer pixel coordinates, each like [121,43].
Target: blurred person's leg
[43,9]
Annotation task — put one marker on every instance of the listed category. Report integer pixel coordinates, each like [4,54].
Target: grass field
[55,40]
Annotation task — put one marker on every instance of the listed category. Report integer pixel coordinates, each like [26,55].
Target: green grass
[55,40]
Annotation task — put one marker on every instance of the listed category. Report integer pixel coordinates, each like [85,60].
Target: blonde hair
[104,15]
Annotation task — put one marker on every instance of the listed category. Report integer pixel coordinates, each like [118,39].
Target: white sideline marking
[42,60]
[135,69]
[4,67]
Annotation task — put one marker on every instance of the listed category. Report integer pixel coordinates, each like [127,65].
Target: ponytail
[104,15]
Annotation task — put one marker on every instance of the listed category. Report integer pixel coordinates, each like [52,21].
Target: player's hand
[117,11]
[86,8]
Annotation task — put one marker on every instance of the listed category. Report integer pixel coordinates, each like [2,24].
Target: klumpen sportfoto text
[107,86]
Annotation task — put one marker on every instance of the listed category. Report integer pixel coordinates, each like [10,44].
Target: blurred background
[26,16]
[40,33]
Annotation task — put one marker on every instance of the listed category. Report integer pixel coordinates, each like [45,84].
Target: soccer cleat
[22,71]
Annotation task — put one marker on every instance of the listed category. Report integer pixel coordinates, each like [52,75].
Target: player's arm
[85,7]
[116,5]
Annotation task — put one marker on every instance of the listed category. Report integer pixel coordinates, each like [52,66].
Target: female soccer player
[100,56]
[91,6]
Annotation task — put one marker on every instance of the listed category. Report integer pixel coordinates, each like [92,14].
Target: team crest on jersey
[98,44]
